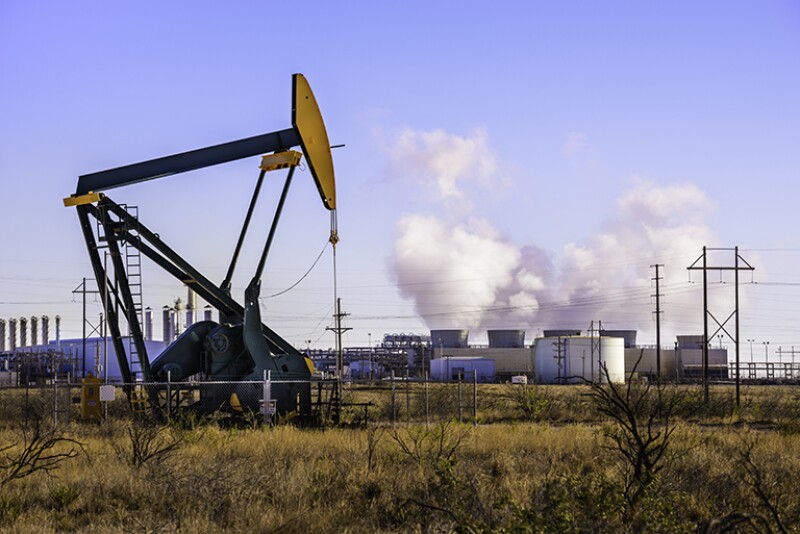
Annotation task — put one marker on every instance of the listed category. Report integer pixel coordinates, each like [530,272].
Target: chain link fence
[62,400]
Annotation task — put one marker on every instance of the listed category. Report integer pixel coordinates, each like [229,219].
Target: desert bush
[35,449]
[641,429]
[147,442]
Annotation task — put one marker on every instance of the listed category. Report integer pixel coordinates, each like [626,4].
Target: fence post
[266,394]
[408,398]
[394,406]
[169,395]
[55,397]
[427,406]
[459,398]
[69,393]
[475,396]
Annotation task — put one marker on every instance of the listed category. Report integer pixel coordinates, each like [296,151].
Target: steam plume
[460,271]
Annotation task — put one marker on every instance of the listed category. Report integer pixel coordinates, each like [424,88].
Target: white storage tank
[571,359]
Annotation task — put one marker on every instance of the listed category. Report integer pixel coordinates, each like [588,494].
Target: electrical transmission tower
[706,313]
[658,313]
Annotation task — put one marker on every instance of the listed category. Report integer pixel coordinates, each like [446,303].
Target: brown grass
[548,471]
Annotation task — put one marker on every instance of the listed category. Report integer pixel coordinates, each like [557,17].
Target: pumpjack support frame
[267,350]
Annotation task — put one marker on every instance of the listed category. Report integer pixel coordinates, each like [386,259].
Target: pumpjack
[239,348]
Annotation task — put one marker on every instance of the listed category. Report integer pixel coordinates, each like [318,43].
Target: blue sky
[583,142]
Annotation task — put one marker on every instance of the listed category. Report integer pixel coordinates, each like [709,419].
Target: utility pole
[559,345]
[597,346]
[339,330]
[95,329]
[658,322]
[706,313]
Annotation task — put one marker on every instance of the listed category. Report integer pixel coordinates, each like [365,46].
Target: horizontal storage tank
[571,359]
[561,333]
[628,335]
[450,339]
[506,339]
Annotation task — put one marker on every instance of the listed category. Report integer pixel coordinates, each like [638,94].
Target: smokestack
[45,330]
[23,332]
[58,331]
[12,334]
[34,331]
[168,318]
[191,306]
[165,324]
[2,335]
[207,312]
[148,324]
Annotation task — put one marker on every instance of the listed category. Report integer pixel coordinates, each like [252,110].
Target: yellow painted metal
[90,397]
[88,198]
[307,119]
[236,404]
[309,364]
[280,160]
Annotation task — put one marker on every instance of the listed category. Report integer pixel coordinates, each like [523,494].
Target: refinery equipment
[239,348]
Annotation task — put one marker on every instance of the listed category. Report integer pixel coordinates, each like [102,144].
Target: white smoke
[444,160]
[461,272]
[465,274]
[457,268]
[609,277]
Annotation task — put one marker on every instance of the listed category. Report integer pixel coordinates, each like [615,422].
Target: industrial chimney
[34,331]
[191,306]
[23,332]
[2,335]
[58,331]
[148,324]
[45,330]
[207,312]
[12,334]
[168,318]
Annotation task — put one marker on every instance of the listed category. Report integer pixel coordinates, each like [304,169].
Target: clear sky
[507,164]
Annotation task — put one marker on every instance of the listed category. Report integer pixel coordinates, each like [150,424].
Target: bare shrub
[374,435]
[430,446]
[642,425]
[35,450]
[147,443]
[528,400]
[762,483]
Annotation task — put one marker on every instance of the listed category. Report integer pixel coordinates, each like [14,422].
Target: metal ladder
[133,271]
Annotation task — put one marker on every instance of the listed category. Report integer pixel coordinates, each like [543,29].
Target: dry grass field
[540,459]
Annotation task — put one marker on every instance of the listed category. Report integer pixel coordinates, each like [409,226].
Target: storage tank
[628,335]
[561,333]
[506,339]
[450,339]
[571,359]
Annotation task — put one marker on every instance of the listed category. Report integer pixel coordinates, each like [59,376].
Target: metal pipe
[272,229]
[226,284]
